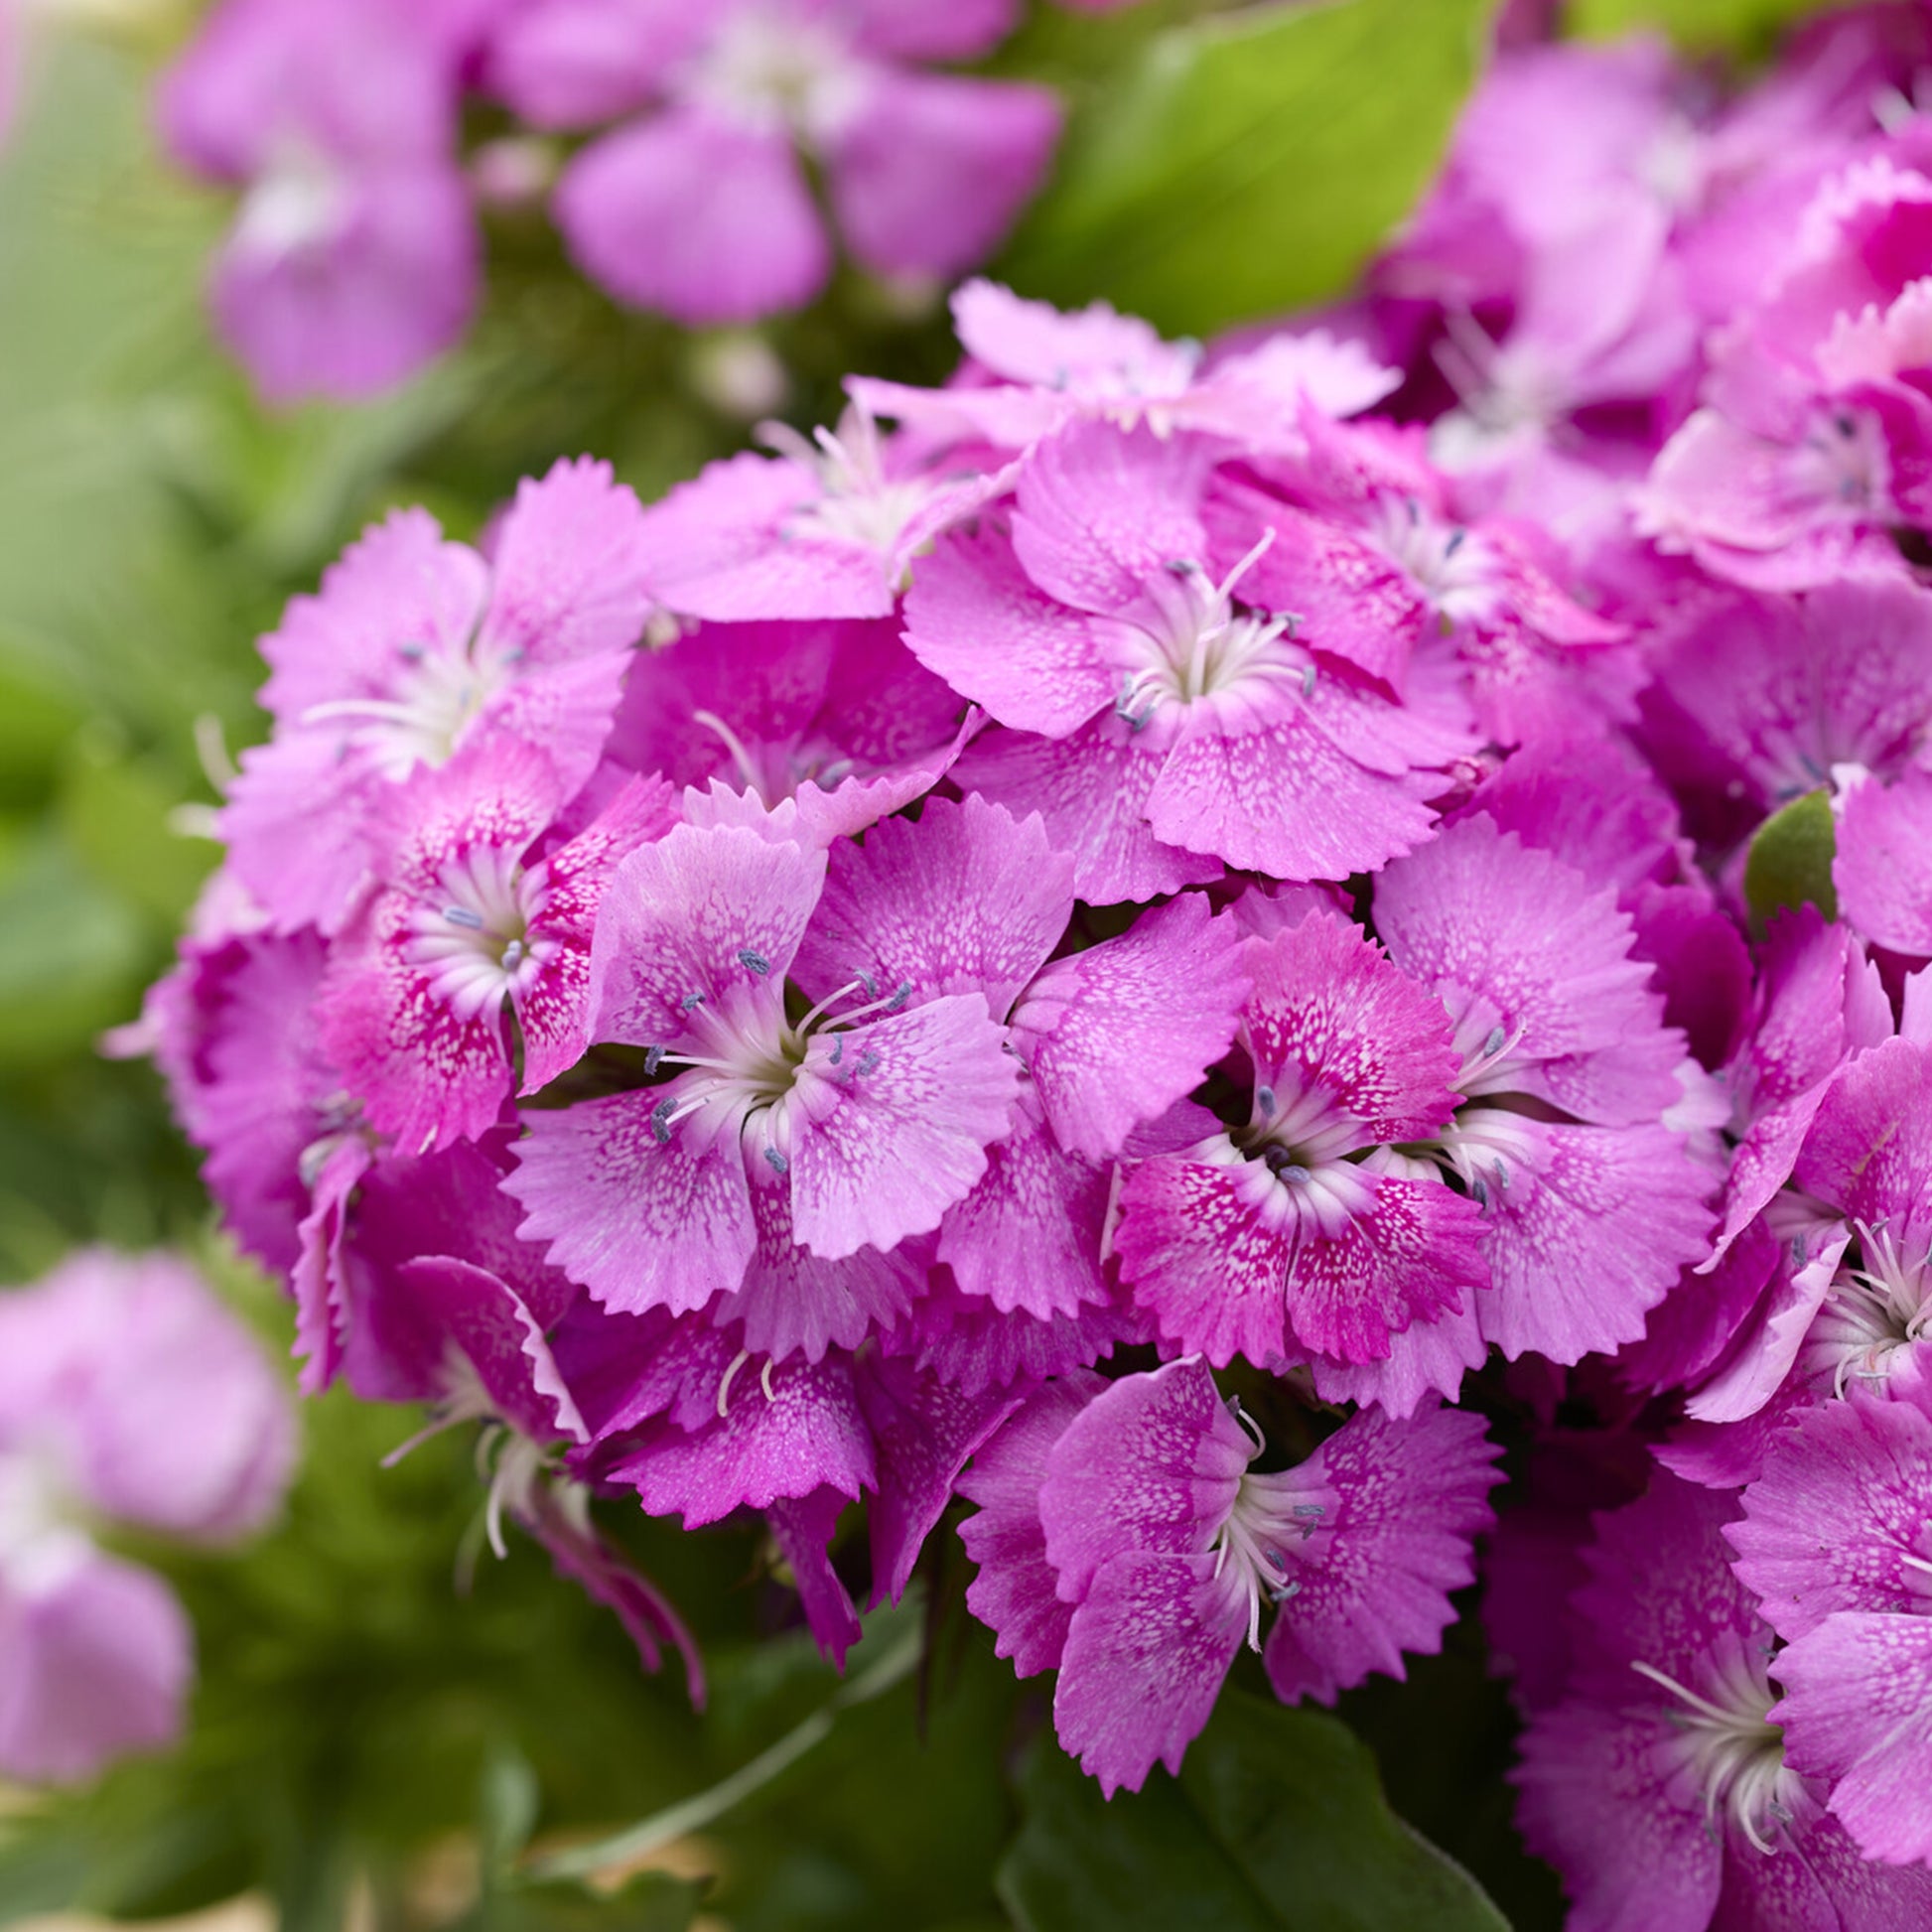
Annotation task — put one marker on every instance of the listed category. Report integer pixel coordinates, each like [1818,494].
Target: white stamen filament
[1734,1754]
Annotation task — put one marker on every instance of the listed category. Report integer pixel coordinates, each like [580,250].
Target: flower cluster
[671,142]
[129,1397]
[1107,949]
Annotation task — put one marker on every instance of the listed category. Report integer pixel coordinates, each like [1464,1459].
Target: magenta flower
[128,1394]
[1275,1239]
[1856,1667]
[702,209]
[837,717]
[1031,370]
[1186,716]
[1368,549]
[1122,1538]
[417,647]
[1662,1756]
[844,1129]
[1816,437]
[354,258]
[1592,1199]
[827,528]
[470,964]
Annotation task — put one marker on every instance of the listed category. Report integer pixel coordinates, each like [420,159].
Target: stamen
[754,961]
[738,1361]
[461,915]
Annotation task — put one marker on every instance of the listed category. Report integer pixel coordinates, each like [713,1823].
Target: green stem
[693,1814]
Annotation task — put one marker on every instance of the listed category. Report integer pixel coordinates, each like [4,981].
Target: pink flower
[1123,1538]
[701,208]
[127,1394]
[354,258]
[417,647]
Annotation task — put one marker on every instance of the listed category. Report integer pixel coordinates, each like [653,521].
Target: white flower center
[1451,567]
[41,1544]
[742,1059]
[1870,1312]
[299,202]
[475,940]
[860,503]
[1261,1545]
[1186,642]
[434,698]
[1732,1755]
[770,73]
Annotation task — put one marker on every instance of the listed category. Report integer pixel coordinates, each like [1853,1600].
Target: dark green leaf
[1790,861]
[1276,1824]
[119,814]
[1251,162]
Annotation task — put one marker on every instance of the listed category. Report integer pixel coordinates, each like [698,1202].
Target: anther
[1495,1043]
[1265,1100]
[1307,680]
[653,1059]
[901,994]
[514,955]
[776,1162]
[754,961]
[660,1120]
[689,1001]
[867,1062]
[461,915]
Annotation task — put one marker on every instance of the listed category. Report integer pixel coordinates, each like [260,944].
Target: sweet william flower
[1275,1239]
[1665,1754]
[416,646]
[1192,717]
[700,207]
[789,1136]
[1124,1538]
[465,974]
[352,259]
[128,1394]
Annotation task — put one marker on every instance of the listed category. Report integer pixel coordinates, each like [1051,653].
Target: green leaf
[70,955]
[1740,27]
[1276,1824]
[118,815]
[1790,862]
[1249,162]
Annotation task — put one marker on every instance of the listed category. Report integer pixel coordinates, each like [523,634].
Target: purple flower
[1275,1239]
[1662,1756]
[470,964]
[843,1129]
[1370,552]
[1851,1605]
[1032,370]
[837,717]
[1816,437]
[827,528]
[354,258]
[701,208]
[128,1394]
[416,648]
[1590,1198]
[1123,1538]
[1192,717]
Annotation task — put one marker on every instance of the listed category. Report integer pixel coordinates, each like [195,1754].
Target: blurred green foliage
[1737,26]
[373,1744]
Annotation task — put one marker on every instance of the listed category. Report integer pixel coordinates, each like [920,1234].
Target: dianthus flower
[354,257]
[1659,1783]
[1168,718]
[417,647]
[1032,370]
[128,1394]
[1851,1605]
[702,209]
[1123,1538]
